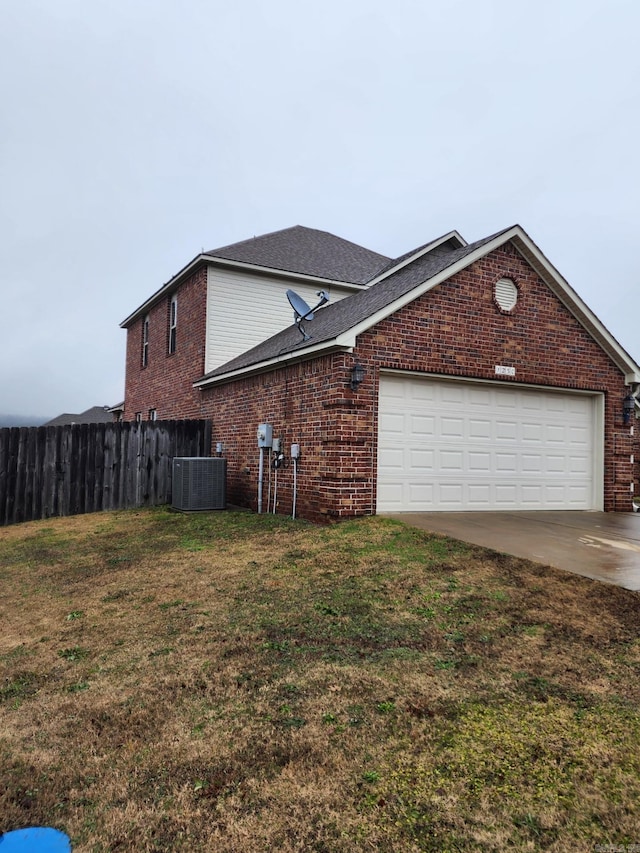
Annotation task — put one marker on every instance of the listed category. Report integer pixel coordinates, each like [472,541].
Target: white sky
[134,133]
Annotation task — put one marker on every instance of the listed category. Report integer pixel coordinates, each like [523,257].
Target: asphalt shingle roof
[338,317]
[94,415]
[308,251]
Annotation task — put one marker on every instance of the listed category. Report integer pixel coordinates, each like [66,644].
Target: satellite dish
[300,307]
[302,312]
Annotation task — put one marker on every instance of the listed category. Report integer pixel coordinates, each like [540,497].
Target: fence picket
[4,466]
[67,470]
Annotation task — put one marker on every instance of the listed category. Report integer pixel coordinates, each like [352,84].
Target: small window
[145,341]
[506,294]
[153,414]
[138,417]
[173,323]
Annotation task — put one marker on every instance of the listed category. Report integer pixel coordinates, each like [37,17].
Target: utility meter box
[265,435]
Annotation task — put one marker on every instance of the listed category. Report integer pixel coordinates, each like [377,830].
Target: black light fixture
[357,375]
[628,407]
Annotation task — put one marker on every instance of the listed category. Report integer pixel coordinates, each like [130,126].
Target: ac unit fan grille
[199,483]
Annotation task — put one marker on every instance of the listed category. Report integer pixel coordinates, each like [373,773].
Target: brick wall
[456,329]
[165,384]
[308,404]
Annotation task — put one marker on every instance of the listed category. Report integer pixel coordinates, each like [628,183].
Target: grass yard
[238,683]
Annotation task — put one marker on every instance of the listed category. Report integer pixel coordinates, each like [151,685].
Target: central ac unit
[199,483]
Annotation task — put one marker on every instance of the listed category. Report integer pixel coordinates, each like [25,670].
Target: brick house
[486,382]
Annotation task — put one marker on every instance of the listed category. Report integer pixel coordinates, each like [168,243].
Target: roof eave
[164,290]
[570,299]
[226,263]
[278,273]
[343,343]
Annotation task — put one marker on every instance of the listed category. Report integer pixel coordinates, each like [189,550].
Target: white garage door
[446,445]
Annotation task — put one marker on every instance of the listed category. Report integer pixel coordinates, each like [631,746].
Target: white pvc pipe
[295,486]
[260,477]
[275,491]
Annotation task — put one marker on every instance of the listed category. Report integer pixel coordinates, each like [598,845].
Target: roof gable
[337,325]
[449,241]
[297,251]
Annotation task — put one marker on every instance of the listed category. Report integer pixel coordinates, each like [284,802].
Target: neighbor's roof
[94,415]
[299,251]
[337,325]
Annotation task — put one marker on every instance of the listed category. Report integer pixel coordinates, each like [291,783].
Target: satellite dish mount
[301,311]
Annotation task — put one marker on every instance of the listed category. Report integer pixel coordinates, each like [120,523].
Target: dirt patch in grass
[235,682]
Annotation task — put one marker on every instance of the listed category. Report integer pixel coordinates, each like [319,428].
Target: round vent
[506,294]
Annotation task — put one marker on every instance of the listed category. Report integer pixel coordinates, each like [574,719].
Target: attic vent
[506,294]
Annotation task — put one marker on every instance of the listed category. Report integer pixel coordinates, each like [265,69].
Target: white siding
[466,446]
[243,310]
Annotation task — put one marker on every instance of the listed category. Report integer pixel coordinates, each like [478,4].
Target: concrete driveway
[604,546]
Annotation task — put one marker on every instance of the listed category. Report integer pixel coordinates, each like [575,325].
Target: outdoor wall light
[357,375]
[628,407]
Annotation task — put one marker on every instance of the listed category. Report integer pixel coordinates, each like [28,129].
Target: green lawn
[233,682]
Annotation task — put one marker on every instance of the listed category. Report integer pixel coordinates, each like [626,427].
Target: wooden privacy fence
[68,470]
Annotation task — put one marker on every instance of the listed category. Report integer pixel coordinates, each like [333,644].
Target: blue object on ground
[35,839]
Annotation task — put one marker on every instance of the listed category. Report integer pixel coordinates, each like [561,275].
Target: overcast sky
[135,133]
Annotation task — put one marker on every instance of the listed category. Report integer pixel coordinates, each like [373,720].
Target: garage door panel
[457,445]
[531,462]
[422,427]
[530,403]
[579,464]
[532,433]
[450,494]
[577,405]
[555,464]
[391,494]
[578,435]
[480,494]
[556,496]
[503,398]
[479,463]
[577,495]
[453,395]
[421,460]
[531,495]
[555,435]
[557,405]
[421,492]
[422,391]
[451,428]
[506,462]
[506,494]
[451,461]
[392,424]
[393,460]
[477,398]
[506,430]
[480,429]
